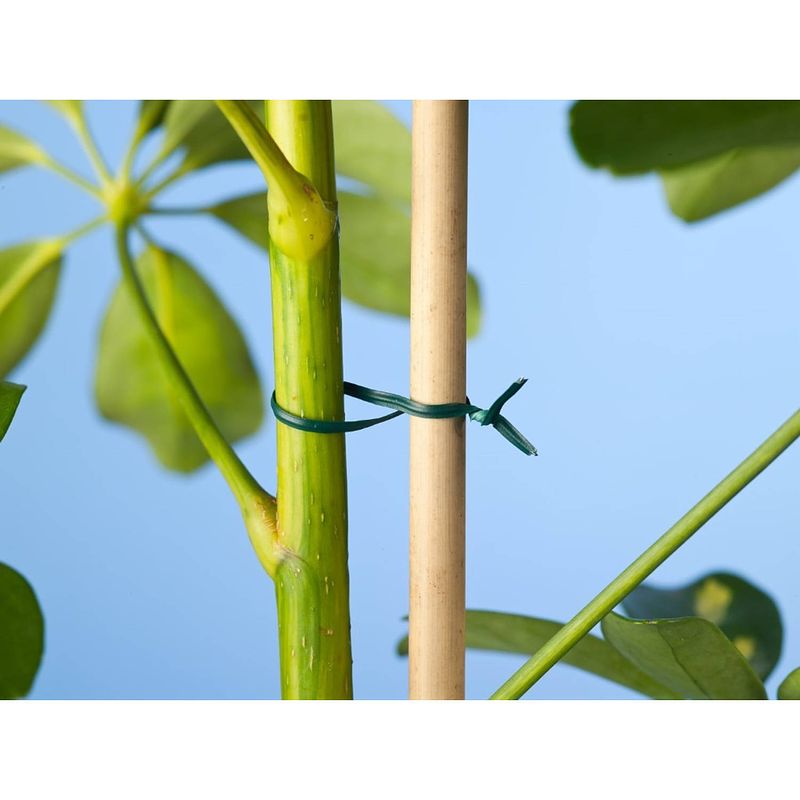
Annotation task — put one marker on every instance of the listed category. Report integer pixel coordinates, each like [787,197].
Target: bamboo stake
[438,375]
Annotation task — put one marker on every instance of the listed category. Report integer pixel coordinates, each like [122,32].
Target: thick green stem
[311,583]
[257,506]
[557,647]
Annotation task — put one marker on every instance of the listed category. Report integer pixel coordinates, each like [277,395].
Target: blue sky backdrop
[658,355]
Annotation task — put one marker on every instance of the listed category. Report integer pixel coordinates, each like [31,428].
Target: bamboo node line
[404,405]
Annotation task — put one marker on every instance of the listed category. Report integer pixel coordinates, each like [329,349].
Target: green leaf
[21,634]
[375,250]
[691,656]
[790,687]
[373,147]
[743,612]
[633,136]
[10,395]
[704,188]
[206,137]
[130,385]
[28,279]
[248,215]
[513,633]
[17,150]
[151,114]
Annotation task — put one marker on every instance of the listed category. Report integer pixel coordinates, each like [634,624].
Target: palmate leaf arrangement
[717,638]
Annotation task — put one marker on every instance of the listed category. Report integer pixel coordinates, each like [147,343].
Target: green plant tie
[404,405]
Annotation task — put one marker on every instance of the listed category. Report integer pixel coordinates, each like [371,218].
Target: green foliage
[716,638]
[373,147]
[17,150]
[705,188]
[712,155]
[21,634]
[691,656]
[28,279]
[514,633]
[744,613]
[131,387]
[790,686]
[202,132]
[10,395]
[375,250]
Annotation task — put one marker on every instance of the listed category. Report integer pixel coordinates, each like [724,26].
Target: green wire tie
[403,405]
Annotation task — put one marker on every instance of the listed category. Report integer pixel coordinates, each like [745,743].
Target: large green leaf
[790,686]
[10,395]
[375,250]
[630,136]
[704,188]
[17,150]
[201,130]
[373,147]
[21,634]
[513,633]
[743,612]
[130,385]
[28,280]
[691,656]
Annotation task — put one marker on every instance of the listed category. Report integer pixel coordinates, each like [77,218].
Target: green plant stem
[301,221]
[257,506]
[312,583]
[81,127]
[616,591]
[82,230]
[65,172]
[177,211]
[163,183]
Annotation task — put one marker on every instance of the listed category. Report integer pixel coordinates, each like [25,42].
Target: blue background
[658,354]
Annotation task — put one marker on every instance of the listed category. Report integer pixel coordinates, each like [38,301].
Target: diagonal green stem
[580,625]
[65,172]
[258,507]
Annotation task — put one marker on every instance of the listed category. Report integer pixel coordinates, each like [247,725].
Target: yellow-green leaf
[17,150]
[790,686]
[28,279]
[514,633]
[130,385]
[10,395]
[373,147]
[21,634]
[743,612]
[704,188]
[375,250]
[691,656]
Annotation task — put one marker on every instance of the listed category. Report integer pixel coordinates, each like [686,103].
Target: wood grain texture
[438,375]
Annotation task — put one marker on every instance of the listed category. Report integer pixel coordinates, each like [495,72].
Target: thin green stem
[177,211]
[258,507]
[65,172]
[82,230]
[163,183]
[81,127]
[616,591]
